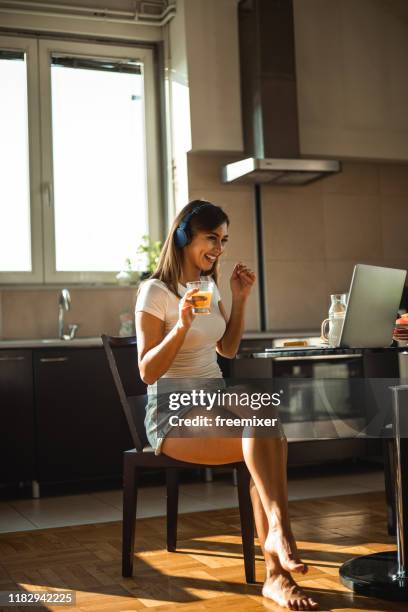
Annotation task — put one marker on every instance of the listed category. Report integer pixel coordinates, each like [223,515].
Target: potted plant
[149,252]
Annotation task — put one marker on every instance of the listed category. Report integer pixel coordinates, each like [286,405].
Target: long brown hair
[206,219]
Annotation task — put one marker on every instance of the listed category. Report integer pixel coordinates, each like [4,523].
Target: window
[79,158]
[15,239]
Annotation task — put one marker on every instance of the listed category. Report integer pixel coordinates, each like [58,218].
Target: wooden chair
[132,394]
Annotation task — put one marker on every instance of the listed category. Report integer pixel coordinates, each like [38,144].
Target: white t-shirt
[197,357]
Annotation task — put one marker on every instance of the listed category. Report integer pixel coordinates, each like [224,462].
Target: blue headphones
[182,235]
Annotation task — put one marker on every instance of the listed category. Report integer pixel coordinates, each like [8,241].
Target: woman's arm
[229,343]
[242,280]
[157,351]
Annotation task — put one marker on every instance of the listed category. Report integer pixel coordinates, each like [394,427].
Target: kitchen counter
[61,411]
[51,342]
[301,352]
[96,341]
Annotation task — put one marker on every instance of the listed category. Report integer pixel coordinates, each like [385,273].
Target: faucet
[64,303]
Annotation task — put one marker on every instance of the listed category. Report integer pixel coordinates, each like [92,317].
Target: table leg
[385,575]
[401,503]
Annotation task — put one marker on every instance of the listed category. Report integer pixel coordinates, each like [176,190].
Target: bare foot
[284,547]
[284,591]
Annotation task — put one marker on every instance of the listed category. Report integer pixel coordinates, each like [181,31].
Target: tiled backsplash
[313,236]
[33,313]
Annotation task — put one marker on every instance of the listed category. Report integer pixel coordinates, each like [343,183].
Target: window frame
[38,52]
[29,47]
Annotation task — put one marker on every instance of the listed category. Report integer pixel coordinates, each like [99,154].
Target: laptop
[372,307]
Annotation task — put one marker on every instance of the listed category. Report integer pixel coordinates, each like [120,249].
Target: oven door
[322,396]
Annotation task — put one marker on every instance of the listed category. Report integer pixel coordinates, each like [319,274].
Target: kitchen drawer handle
[19,358]
[53,359]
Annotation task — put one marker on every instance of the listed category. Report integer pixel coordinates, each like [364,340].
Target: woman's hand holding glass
[186,313]
[241,281]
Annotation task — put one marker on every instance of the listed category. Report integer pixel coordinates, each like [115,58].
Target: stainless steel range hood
[279,171]
[269,100]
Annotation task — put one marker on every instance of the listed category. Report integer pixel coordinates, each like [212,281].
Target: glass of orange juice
[202,298]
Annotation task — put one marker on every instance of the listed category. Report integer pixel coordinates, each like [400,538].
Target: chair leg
[172,507]
[130,481]
[247,522]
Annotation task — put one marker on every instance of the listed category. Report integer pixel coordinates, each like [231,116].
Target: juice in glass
[202,298]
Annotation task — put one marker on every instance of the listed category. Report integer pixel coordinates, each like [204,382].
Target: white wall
[352,68]
[213,68]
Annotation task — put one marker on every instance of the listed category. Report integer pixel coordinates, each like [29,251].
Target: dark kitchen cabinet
[17,458]
[81,430]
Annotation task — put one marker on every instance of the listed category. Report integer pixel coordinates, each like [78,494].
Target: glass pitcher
[335,321]
[338,303]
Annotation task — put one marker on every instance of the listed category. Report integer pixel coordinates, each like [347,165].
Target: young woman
[173,342]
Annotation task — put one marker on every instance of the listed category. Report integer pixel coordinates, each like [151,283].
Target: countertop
[318,352]
[96,341]
[51,343]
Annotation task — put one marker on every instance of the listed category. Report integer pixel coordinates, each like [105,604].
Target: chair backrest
[122,358]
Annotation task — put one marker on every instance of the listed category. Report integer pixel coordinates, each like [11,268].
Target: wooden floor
[207,571]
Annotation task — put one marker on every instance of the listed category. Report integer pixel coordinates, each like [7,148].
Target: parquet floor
[207,571]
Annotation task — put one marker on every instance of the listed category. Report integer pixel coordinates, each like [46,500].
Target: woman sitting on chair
[173,342]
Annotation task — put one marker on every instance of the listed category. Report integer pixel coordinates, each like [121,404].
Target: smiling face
[205,248]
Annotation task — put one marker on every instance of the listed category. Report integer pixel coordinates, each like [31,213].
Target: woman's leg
[278,585]
[266,459]
[210,451]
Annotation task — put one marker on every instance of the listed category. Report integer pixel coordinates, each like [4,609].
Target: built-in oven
[322,396]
